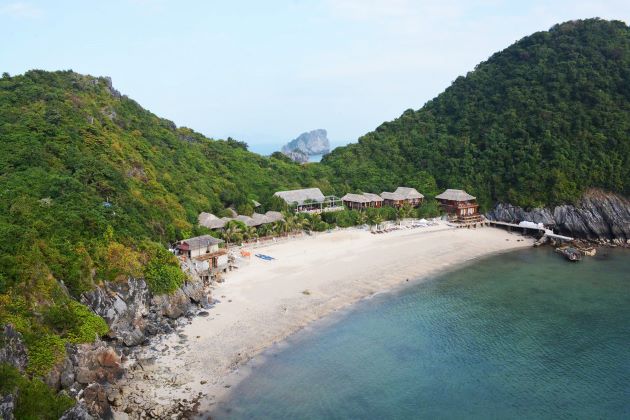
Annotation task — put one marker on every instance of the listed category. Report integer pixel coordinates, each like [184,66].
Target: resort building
[257,219]
[198,246]
[402,196]
[310,200]
[362,201]
[460,204]
[205,250]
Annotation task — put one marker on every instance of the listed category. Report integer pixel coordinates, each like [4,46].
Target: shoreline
[243,370]
[263,303]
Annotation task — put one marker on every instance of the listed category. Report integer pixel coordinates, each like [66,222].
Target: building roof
[300,196]
[455,195]
[408,192]
[355,198]
[211,221]
[392,196]
[245,219]
[199,242]
[402,193]
[274,216]
[373,197]
[361,198]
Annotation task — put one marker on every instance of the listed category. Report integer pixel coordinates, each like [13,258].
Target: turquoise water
[518,335]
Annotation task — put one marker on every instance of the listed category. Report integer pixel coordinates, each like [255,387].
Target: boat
[570,253]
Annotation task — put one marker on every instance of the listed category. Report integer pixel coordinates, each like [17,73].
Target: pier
[545,232]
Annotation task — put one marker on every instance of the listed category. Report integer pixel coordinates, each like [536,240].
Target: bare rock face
[598,216]
[311,143]
[12,348]
[133,312]
[78,412]
[123,306]
[296,156]
[7,407]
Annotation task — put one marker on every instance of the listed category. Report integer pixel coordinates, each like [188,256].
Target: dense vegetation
[93,187]
[536,124]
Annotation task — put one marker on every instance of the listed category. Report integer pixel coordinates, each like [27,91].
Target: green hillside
[537,123]
[93,188]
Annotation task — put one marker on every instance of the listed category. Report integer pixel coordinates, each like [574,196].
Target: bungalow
[362,201]
[309,200]
[214,223]
[205,249]
[402,196]
[198,246]
[460,204]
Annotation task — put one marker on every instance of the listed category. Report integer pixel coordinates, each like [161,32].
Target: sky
[266,71]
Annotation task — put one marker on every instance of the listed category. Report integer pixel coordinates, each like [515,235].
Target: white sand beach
[263,302]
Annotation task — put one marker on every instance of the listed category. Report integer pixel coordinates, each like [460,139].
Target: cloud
[21,10]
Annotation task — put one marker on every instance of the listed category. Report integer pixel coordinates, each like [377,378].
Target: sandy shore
[263,302]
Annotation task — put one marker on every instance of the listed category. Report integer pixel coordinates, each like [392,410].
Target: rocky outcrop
[296,156]
[312,143]
[12,348]
[124,306]
[598,216]
[133,313]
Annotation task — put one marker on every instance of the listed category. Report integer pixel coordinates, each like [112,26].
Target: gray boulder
[12,348]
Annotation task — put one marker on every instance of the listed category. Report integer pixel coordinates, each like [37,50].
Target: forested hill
[535,124]
[92,189]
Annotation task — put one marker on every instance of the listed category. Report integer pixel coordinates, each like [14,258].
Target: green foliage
[161,272]
[44,351]
[86,172]
[536,124]
[35,400]
[429,208]
[75,322]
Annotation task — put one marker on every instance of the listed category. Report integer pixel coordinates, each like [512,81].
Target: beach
[263,302]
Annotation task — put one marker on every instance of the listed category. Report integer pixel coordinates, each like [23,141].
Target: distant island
[307,144]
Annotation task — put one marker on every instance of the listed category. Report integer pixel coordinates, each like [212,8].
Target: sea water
[518,335]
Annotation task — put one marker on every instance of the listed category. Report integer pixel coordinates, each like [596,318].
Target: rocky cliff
[311,143]
[95,373]
[598,216]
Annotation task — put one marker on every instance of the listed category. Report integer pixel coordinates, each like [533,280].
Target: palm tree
[305,224]
[375,219]
[265,230]
[233,232]
[405,211]
[362,218]
[280,227]
[251,233]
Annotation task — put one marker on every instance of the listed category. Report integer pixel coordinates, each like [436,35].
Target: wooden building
[460,204]
[198,246]
[205,250]
[362,201]
[309,200]
[402,196]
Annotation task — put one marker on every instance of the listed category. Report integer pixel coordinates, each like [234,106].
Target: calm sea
[518,335]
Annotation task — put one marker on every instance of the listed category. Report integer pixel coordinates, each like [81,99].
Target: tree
[233,232]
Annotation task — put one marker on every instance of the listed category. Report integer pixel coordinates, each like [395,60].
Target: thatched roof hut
[455,195]
[302,196]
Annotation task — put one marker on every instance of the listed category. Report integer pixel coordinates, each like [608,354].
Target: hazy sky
[265,71]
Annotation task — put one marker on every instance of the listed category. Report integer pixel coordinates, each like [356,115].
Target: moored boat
[570,253]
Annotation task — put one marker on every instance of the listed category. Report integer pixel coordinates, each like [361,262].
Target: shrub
[162,278]
[34,399]
[44,351]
